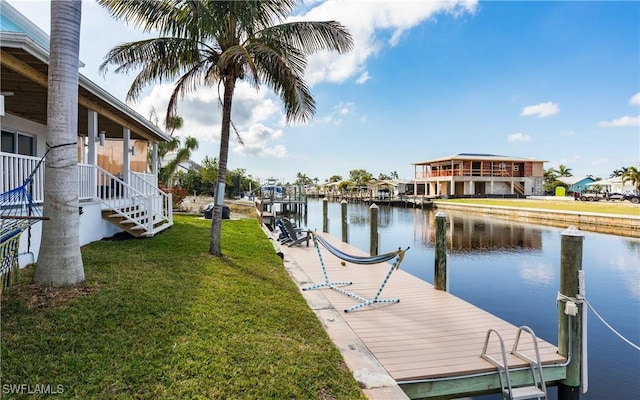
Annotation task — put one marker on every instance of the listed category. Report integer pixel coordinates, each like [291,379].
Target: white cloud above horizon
[518,137]
[622,122]
[541,110]
[635,99]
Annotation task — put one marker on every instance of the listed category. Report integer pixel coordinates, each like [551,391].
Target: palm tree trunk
[216,218]
[60,261]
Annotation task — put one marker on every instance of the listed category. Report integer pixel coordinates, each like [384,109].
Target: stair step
[526,392]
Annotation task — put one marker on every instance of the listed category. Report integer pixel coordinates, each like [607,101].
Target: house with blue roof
[576,183]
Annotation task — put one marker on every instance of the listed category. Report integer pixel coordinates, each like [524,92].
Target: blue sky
[556,81]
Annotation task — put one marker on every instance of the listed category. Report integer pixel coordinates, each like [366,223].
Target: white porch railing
[143,208]
[94,183]
[15,168]
[162,201]
[147,179]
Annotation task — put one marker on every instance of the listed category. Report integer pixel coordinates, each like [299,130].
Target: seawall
[622,225]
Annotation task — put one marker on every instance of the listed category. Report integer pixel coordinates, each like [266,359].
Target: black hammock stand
[397,256]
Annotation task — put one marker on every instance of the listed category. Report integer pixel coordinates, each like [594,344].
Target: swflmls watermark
[38,388]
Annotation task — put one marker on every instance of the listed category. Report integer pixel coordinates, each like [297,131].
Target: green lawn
[603,207]
[161,319]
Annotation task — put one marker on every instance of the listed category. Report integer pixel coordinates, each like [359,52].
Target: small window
[516,168]
[7,142]
[18,143]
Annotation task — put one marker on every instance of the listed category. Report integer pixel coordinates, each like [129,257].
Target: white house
[117,188]
[614,185]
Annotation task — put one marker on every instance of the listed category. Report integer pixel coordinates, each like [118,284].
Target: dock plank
[428,334]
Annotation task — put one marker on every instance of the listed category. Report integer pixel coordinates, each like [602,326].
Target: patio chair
[293,235]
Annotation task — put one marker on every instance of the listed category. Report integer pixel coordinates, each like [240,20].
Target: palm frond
[311,37]
[155,58]
[283,73]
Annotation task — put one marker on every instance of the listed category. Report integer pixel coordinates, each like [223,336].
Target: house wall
[537,169]
[92,228]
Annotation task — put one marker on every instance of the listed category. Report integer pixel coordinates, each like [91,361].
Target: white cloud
[339,111]
[519,137]
[363,77]
[365,20]
[568,133]
[635,99]
[344,108]
[541,110]
[258,141]
[622,122]
[255,113]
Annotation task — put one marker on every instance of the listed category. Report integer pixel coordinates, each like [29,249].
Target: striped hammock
[18,212]
[397,256]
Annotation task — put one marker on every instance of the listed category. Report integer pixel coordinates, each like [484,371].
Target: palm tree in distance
[180,152]
[209,43]
[563,170]
[618,172]
[632,174]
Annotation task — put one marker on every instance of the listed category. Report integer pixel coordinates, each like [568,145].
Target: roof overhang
[476,157]
[24,72]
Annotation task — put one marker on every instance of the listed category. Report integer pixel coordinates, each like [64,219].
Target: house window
[516,168]
[18,143]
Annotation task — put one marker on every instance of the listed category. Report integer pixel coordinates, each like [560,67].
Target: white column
[126,146]
[154,159]
[92,145]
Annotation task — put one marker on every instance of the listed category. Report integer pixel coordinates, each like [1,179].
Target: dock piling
[325,215]
[440,269]
[373,230]
[345,234]
[570,263]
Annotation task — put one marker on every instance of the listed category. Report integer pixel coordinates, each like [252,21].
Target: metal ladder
[538,389]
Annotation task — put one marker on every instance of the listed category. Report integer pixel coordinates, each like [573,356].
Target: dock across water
[428,344]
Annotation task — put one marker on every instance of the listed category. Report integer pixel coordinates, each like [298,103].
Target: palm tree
[632,175]
[563,170]
[209,42]
[60,260]
[182,153]
[618,172]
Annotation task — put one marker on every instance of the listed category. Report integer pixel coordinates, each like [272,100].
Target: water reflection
[472,234]
[512,270]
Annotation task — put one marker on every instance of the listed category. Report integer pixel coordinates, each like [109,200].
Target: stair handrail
[151,190]
[534,364]
[132,194]
[502,368]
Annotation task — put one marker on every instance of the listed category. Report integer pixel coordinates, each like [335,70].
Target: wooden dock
[430,342]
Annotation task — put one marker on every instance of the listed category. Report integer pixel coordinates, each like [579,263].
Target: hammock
[18,212]
[398,255]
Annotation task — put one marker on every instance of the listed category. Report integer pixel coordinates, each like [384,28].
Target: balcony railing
[467,172]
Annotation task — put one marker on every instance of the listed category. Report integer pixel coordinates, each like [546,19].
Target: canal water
[512,271]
